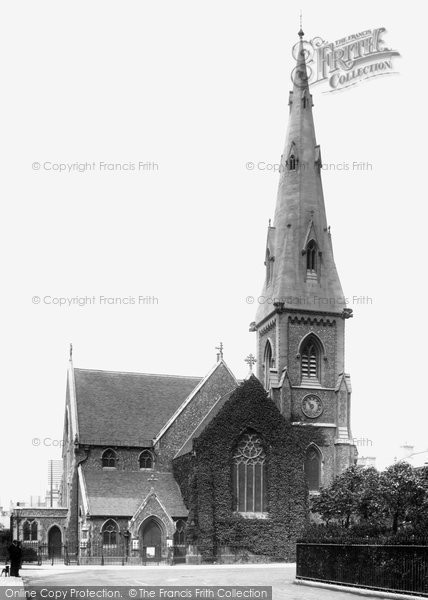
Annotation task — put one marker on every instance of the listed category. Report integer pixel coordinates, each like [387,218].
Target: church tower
[300,321]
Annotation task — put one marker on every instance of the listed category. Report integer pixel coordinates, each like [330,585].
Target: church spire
[300,268]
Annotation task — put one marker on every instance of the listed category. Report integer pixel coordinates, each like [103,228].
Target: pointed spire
[300,33]
[303,273]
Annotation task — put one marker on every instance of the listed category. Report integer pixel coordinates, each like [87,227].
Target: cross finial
[71,351]
[220,351]
[251,361]
[300,34]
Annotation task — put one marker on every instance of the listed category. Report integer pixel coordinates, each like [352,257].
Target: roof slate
[188,445]
[126,408]
[120,493]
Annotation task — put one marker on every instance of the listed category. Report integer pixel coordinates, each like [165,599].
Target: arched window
[110,533]
[179,534]
[146,460]
[109,459]
[292,163]
[29,531]
[249,474]
[268,364]
[311,257]
[313,468]
[310,359]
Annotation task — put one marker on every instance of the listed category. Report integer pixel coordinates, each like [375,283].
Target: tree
[403,493]
[353,496]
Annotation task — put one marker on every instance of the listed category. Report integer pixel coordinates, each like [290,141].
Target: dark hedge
[204,477]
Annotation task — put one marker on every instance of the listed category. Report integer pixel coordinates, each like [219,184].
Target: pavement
[280,576]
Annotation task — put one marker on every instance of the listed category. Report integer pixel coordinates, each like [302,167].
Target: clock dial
[312,406]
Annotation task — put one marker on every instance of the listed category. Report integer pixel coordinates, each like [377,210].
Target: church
[197,469]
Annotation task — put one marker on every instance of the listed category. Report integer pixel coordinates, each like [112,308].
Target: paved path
[280,577]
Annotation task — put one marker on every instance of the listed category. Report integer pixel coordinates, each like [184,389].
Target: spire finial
[300,33]
[71,351]
[220,351]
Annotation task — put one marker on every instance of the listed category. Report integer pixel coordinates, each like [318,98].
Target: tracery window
[109,458]
[110,533]
[249,474]
[29,530]
[292,163]
[146,460]
[311,257]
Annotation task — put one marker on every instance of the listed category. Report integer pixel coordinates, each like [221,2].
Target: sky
[194,91]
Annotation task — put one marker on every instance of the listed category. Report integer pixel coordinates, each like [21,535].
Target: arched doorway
[54,542]
[151,541]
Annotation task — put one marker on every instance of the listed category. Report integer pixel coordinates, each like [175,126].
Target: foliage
[403,494]
[205,478]
[374,505]
[353,495]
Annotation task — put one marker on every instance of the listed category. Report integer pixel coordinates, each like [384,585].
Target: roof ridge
[138,373]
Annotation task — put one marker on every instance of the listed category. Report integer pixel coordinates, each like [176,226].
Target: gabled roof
[120,493]
[188,445]
[218,365]
[126,408]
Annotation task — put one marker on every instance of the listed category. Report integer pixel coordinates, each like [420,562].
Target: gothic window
[268,364]
[110,533]
[179,534]
[292,163]
[310,359]
[109,459]
[311,257]
[313,468]
[146,460]
[249,474]
[29,530]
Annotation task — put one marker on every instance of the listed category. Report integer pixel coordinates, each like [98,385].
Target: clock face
[312,406]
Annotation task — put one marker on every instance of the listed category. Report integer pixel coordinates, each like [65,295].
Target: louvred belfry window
[310,360]
[249,475]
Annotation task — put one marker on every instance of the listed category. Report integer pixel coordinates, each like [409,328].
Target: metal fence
[391,568]
[121,554]
[35,553]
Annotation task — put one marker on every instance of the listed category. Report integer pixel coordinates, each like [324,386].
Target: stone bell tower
[300,321]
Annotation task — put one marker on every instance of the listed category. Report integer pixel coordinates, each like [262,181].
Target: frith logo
[347,61]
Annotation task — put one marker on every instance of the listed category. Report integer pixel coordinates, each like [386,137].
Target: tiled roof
[126,408]
[120,493]
[188,445]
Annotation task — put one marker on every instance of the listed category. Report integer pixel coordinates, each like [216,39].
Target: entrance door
[152,542]
[54,542]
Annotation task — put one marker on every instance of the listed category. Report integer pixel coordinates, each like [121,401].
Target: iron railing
[390,568]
